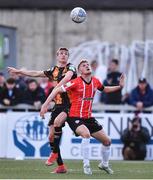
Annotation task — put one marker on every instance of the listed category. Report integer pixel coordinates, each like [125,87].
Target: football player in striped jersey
[80,120]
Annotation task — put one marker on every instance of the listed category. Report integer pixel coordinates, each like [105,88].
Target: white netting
[136,60]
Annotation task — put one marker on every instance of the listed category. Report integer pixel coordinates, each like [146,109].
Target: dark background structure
[69,4]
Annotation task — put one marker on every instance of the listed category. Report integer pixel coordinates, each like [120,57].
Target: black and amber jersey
[56,74]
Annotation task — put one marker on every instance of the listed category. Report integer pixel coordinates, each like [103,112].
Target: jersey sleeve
[69,86]
[72,68]
[48,73]
[100,86]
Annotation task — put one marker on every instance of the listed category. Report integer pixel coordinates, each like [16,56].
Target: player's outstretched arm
[31,73]
[44,107]
[109,89]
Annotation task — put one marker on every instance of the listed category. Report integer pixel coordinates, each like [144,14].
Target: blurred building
[30,33]
[40,27]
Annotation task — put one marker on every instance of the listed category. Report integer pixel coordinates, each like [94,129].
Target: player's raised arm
[71,74]
[50,98]
[66,79]
[109,89]
[31,73]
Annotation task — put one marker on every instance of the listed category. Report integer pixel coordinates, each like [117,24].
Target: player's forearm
[31,73]
[109,89]
[66,79]
[62,82]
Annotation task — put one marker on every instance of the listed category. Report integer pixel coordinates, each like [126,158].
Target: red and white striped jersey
[81,96]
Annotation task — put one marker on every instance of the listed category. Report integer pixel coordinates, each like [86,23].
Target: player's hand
[12,70]
[44,109]
[122,79]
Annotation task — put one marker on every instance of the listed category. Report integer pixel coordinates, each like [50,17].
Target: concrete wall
[40,33]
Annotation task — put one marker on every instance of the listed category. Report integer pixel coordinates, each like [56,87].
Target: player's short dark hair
[82,61]
[62,48]
[10,81]
[115,61]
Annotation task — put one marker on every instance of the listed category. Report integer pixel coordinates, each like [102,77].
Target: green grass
[35,169]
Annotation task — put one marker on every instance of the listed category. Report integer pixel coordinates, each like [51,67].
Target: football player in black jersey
[59,74]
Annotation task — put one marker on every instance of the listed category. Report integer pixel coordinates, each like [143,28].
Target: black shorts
[91,123]
[55,113]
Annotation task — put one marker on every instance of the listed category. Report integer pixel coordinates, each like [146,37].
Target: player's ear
[79,71]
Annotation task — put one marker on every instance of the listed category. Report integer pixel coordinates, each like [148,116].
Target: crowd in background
[140,97]
[22,90]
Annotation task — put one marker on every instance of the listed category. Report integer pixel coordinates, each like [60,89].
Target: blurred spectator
[2,81]
[99,71]
[125,98]
[135,138]
[34,95]
[142,95]
[94,65]
[112,79]
[20,81]
[46,85]
[10,94]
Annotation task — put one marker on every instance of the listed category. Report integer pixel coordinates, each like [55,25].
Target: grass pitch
[36,169]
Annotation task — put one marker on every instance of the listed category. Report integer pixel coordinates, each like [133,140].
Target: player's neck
[87,78]
[61,64]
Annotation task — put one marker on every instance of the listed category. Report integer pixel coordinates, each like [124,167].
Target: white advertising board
[25,135]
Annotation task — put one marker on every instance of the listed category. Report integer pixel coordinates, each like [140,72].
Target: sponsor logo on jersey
[88,99]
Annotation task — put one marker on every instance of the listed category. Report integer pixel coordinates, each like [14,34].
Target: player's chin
[88,73]
[63,60]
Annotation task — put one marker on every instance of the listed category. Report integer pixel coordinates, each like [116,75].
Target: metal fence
[98,107]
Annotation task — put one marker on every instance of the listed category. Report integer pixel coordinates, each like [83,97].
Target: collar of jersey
[85,81]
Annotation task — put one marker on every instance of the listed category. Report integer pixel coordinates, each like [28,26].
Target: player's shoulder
[73,82]
[71,67]
[95,78]
[51,69]
[76,80]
